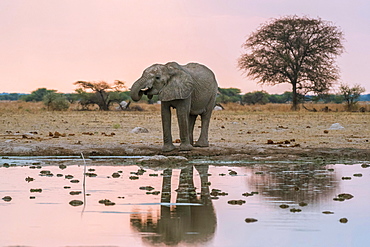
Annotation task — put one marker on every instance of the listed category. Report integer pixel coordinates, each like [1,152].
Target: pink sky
[52,43]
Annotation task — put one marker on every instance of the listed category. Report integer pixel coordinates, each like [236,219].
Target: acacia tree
[351,95]
[296,50]
[103,92]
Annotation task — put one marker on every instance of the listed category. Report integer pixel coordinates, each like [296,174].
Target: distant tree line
[104,95]
[10,96]
[348,95]
[87,95]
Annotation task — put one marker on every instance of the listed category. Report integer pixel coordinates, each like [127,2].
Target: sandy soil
[235,135]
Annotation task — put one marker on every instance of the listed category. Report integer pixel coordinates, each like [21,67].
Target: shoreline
[233,135]
[234,152]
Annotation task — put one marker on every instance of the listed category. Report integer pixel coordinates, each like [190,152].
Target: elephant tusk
[144,89]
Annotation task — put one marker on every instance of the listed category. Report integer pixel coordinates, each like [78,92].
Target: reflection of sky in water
[139,219]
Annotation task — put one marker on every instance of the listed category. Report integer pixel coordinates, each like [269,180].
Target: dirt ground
[233,134]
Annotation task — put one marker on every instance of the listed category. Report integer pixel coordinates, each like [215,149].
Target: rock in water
[76,203]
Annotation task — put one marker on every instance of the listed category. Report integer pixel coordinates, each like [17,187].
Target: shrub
[56,102]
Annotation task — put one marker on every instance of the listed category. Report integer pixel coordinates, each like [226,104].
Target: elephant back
[202,76]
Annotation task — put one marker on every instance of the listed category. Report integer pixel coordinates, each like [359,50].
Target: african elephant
[191,89]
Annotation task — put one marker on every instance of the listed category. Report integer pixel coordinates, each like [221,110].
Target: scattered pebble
[35,190]
[343,196]
[107,202]
[233,173]
[328,212]
[146,188]
[217,192]
[236,202]
[365,165]
[246,194]
[91,174]
[250,220]
[343,220]
[62,166]
[75,193]
[76,203]
[46,173]
[156,192]
[7,198]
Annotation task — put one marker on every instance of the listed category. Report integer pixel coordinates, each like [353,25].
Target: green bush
[56,102]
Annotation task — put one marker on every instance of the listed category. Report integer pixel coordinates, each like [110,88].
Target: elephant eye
[157,77]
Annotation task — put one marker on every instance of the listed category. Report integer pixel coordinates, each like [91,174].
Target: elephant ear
[179,85]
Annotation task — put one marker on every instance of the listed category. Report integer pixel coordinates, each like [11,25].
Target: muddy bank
[233,135]
[214,152]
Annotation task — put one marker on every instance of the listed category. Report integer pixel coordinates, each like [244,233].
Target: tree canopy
[351,95]
[296,50]
[37,95]
[103,94]
[228,95]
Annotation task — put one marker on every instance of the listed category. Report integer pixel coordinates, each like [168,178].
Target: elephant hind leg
[192,119]
[203,138]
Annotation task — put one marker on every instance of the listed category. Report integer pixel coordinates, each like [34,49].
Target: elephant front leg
[183,113]
[166,127]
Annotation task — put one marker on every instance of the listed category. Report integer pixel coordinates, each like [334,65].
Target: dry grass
[287,107]
[34,107]
[235,126]
[21,106]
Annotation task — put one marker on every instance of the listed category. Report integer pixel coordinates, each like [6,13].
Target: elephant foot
[185,147]
[201,144]
[168,147]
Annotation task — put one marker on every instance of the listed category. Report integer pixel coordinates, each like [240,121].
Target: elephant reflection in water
[180,223]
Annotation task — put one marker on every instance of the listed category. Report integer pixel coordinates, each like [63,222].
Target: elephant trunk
[136,92]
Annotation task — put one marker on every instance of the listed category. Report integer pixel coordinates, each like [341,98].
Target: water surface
[202,204]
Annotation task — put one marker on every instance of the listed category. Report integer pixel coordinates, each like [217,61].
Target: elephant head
[169,82]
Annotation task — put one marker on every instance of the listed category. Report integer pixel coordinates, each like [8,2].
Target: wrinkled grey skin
[191,89]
